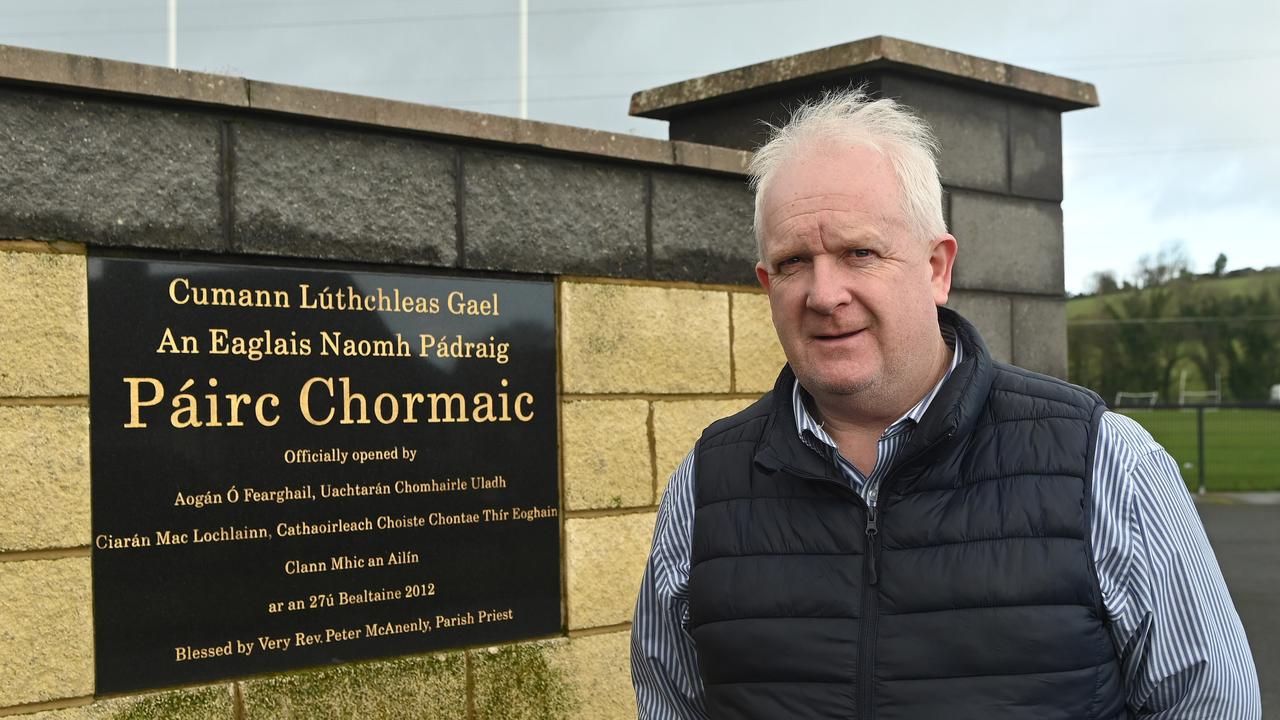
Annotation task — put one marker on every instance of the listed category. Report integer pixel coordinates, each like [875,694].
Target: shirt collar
[806,425]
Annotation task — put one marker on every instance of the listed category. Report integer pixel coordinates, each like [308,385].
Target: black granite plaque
[296,464]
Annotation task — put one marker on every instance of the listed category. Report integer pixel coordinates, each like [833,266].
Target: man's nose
[828,289]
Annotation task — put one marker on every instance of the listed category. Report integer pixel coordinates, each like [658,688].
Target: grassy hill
[1092,306]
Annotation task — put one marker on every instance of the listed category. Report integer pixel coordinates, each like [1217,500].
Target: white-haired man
[902,527]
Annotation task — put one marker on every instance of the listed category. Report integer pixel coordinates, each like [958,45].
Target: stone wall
[661,331]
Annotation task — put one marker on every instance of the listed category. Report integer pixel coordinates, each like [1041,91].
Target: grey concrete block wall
[1027,330]
[1040,334]
[991,313]
[1007,244]
[972,128]
[175,176]
[701,227]
[553,215]
[1035,152]
[323,193]
[108,172]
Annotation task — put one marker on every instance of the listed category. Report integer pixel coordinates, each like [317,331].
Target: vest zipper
[873,540]
[870,595]
[870,610]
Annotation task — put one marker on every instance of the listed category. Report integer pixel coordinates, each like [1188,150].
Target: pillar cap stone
[839,62]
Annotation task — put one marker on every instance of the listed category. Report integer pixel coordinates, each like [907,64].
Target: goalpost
[1200,397]
[1136,399]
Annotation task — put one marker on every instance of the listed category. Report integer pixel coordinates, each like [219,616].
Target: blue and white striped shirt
[1182,647]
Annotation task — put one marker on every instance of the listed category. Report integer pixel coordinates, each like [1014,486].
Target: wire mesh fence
[1220,448]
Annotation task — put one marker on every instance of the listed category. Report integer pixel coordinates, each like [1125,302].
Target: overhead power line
[1165,61]
[388,20]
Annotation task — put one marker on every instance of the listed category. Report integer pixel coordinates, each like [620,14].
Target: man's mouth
[833,337]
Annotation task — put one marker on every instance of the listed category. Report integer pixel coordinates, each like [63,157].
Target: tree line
[1166,320]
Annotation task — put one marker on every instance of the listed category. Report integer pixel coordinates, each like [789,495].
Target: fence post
[1200,445]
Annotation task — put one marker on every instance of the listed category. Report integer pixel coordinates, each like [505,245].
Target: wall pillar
[1000,128]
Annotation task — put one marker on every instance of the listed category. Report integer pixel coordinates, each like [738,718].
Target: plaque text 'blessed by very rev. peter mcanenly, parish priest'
[300,464]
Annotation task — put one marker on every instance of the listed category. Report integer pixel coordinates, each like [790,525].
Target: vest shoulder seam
[1004,370]
[727,443]
[1080,412]
[713,436]
[1025,418]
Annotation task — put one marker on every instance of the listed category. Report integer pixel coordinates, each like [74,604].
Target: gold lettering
[136,403]
[304,399]
[179,288]
[449,399]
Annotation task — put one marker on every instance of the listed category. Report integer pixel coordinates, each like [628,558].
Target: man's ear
[762,274]
[942,258]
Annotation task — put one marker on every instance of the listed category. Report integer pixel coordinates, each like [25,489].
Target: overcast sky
[1184,148]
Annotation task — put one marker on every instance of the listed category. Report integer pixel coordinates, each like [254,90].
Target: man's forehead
[827,229]
[837,176]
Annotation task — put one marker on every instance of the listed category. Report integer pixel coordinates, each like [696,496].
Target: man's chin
[834,384]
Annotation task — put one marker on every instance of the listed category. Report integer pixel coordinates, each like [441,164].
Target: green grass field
[1241,447]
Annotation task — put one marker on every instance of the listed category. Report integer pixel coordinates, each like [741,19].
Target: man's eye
[790,262]
[861,253]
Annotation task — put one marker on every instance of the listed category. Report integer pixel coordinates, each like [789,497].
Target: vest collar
[952,414]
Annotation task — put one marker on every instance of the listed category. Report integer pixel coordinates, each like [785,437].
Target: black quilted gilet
[975,598]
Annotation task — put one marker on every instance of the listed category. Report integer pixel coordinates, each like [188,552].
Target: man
[903,528]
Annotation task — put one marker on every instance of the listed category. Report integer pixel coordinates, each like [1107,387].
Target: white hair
[851,117]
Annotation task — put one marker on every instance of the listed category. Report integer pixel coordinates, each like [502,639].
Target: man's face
[853,293]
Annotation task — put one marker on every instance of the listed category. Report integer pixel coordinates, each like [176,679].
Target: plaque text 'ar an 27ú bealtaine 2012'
[296,464]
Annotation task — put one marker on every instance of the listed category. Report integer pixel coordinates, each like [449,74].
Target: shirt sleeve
[1183,650]
[664,661]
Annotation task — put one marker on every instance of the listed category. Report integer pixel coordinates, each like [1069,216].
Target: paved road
[1246,538]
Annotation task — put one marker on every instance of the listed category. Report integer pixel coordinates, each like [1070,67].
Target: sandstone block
[214,702]
[600,671]
[529,681]
[44,329]
[605,558]
[44,477]
[757,354]
[626,339]
[606,454]
[404,688]
[678,424]
[46,630]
